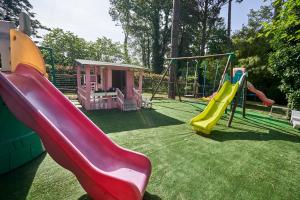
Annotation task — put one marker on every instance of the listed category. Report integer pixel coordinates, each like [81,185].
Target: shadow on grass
[15,185]
[147,196]
[250,135]
[274,131]
[180,110]
[116,121]
[84,197]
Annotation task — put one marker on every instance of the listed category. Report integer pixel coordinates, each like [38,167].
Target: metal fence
[65,82]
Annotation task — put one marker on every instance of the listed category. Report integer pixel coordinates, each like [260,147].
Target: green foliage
[67,47]
[148,26]
[252,52]
[257,158]
[284,32]
[294,100]
[10,10]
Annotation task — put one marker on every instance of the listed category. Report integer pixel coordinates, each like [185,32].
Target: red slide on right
[104,169]
[260,95]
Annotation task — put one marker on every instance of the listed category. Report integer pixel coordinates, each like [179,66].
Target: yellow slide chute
[23,50]
[206,120]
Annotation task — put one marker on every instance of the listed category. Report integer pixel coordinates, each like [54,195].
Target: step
[130,108]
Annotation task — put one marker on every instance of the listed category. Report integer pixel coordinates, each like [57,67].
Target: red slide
[104,169]
[260,95]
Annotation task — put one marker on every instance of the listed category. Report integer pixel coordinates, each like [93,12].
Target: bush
[294,100]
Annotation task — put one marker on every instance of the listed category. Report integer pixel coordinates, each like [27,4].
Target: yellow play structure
[206,120]
[25,51]
[219,100]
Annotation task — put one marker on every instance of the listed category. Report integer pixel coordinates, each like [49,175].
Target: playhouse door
[119,80]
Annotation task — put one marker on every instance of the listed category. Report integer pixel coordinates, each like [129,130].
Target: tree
[285,42]
[67,47]
[148,27]
[174,47]
[10,11]
[106,50]
[252,51]
[125,20]
[209,11]
[229,19]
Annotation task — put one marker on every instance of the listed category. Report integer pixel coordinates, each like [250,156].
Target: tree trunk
[229,20]
[126,55]
[156,47]
[174,47]
[204,27]
[148,54]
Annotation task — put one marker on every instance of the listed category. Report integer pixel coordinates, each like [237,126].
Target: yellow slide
[206,120]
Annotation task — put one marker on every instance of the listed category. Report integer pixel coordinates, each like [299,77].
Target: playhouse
[103,85]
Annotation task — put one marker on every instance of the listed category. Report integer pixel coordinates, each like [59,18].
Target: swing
[186,93]
[208,98]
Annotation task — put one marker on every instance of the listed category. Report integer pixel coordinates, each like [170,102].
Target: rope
[204,80]
[216,74]
[186,78]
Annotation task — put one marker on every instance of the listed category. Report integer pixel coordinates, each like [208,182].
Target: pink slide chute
[104,169]
[260,95]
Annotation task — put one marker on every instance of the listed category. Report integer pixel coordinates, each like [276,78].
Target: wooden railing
[81,93]
[120,98]
[138,97]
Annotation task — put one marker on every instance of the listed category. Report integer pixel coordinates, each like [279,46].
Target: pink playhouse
[103,85]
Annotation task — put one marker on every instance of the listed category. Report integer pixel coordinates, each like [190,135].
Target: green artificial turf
[258,158]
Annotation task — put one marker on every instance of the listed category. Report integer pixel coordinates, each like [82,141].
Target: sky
[90,19]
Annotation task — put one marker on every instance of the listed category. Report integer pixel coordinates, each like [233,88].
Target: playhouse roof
[107,64]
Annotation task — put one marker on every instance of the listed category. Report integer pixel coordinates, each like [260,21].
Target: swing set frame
[229,66]
[173,62]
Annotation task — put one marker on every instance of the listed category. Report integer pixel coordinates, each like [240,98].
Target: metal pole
[224,72]
[198,57]
[204,80]
[216,74]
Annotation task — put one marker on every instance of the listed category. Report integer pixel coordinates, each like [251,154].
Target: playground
[195,135]
[256,158]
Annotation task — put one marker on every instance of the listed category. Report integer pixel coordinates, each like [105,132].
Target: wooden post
[129,84]
[245,98]
[160,81]
[178,91]
[233,109]
[102,86]
[141,82]
[224,72]
[88,87]
[96,75]
[5,45]
[231,72]
[236,100]
[78,77]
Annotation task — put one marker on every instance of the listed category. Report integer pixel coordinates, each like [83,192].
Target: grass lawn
[258,158]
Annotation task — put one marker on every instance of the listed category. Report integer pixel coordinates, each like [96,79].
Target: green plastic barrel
[18,144]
